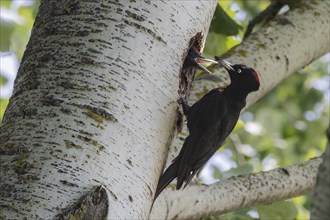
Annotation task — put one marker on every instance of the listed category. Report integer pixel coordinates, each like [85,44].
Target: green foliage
[238,215]
[5,3]
[223,24]
[15,34]
[241,170]
[3,80]
[3,105]
[278,210]
[21,33]
[6,29]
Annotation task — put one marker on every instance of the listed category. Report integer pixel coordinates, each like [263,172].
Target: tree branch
[266,15]
[288,43]
[321,202]
[237,192]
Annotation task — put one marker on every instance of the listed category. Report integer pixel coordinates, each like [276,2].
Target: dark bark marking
[29,112]
[113,195]
[144,29]
[93,206]
[50,100]
[99,114]
[284,21]
[135,16]
[65,111]
[67,183]
[286,171]
[129,162]
[70,144]
[286,63]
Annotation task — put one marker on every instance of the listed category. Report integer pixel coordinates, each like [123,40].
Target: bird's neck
[236,93]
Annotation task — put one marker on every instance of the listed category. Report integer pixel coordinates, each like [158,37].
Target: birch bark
[94,104]
[321,197]
[237,192]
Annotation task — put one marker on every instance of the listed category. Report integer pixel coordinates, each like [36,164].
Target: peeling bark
[93,206]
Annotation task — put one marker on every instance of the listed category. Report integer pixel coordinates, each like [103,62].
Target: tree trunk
[93,108]
[94,103]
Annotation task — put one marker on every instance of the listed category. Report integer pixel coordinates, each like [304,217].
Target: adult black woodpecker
[210,120]
[195,60]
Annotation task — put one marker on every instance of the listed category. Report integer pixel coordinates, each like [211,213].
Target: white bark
[321,199]
[236,193]
[94,104]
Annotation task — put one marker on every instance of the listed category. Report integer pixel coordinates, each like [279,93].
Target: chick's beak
[201,60]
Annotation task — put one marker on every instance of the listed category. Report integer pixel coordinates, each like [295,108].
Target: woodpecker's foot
[184,105]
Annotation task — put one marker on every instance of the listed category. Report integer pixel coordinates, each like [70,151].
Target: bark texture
[321,200]
[236,193]
[94,106]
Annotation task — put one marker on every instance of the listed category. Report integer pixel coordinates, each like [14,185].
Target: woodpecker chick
[195,60]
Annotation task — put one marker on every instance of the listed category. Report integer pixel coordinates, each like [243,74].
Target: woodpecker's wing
[204,112]
[207,131]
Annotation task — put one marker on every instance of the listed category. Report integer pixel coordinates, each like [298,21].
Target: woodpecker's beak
[201,60]
[225,64]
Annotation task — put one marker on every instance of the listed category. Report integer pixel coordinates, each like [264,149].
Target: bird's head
[195,60]
[241,76]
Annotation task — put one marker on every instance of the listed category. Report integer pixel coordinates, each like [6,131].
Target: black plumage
[210,120]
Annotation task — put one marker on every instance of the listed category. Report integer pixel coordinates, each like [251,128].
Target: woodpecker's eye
[239,70]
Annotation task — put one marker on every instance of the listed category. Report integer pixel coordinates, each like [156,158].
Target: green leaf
[278,210]
[223,24]
[3,80]
[3,106]
[217,44]
[5,3]
[241,214]
[217,174]
[6,29]
[241,170]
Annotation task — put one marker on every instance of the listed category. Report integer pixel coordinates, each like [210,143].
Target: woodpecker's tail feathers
[167,177]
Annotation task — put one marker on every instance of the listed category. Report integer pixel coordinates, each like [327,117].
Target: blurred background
[287,126]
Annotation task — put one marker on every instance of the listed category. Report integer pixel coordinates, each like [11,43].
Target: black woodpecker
[210,120]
